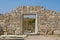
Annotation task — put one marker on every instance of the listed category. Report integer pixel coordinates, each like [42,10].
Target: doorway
[29,24]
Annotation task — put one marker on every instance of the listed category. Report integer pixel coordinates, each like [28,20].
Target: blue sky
[8,5]
[29,16]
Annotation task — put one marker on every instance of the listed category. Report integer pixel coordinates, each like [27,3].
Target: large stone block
[56,32]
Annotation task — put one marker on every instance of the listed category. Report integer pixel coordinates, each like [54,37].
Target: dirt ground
[43,37]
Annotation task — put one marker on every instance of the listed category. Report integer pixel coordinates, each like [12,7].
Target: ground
[38,37]
[43,37]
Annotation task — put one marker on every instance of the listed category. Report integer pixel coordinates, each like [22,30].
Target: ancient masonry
[48,22]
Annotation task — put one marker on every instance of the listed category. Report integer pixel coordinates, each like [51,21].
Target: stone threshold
[12,36]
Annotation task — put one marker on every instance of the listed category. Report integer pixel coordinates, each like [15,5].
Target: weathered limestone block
[17,32]
[50,33]
[57,32]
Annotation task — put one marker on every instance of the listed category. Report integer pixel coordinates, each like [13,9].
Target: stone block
[57,32]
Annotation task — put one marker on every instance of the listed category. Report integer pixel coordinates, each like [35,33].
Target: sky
[29,16]
[7,6]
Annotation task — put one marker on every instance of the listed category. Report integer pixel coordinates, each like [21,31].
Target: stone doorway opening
[29,24]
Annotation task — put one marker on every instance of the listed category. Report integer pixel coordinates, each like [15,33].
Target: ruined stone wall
[47,21]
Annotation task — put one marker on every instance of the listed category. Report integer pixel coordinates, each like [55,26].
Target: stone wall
[47,21]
